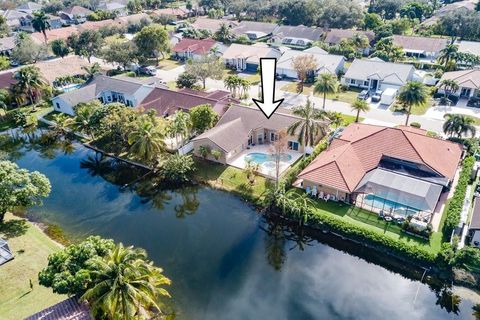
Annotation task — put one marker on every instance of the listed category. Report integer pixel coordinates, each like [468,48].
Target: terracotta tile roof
[54,34]
[69,309]
[197,46]
[360,148]
[6,80]
[68,66]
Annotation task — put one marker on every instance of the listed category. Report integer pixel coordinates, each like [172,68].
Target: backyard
[370,221]
[31,248]
[8,122]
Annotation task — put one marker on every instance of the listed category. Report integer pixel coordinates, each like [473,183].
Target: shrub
[456,202]
[178,169]
[216,154]
[415,125]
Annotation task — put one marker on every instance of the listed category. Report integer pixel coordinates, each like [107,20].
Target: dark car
[147,70]
[377,96]
[364,95]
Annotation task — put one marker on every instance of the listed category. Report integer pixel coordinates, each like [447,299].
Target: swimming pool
[71,87]
[261,158]
[388,205]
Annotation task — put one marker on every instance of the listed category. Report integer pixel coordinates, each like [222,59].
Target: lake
[227,261]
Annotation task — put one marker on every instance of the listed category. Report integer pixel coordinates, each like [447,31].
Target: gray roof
[238,121]
[7,43]
[253,26]
[475,223]
[334,36]
[471,47]
[5,252]
[69,309]
[420,43]
[325,62]
[403,189]
[394,73]
[301,32]
[30,6]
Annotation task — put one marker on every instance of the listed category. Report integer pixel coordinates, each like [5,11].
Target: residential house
[13,18]
[296,36]
[212,25]
[179,13]
[375,74]
[119,9]
[71,65]
[241,128]
[474,227]
[166,102]
[74,15]
[247,57]
[468,83]
[326,63]
[7,80]
[195,48]
[54,34]
[335,36]
[129,91]
[30,7]
[7,44]
[399,171]
[460,6]
[5,252]
[26,22]
[70,308]
[422,48]
[254,30]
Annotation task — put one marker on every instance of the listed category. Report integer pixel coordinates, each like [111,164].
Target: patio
[266,168]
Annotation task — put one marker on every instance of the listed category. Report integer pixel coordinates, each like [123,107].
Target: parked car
[279,76]
[147,70]
[377,96]
[364,95]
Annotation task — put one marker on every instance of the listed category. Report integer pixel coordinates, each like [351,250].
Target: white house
[326,63]
[296,36]
[474,227]
[422,48]
[375,74]
[247,57]
[468,82]
[107,90]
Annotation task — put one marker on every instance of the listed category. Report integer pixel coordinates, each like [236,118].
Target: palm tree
[459,125]
[449,86]
[310,127]
[232,82]
[326,83]
[180,126]
[92,70]
[146,141]
[224,34]
[41,24]
[360,106]
[83,121]
[414,93]
[448,55]
[29,83]
[126,285]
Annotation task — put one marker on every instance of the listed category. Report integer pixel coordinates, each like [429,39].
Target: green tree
[20,188]
[178,169]
[83,120]
[146,141]
[360,106]
[40,23]
[92,70]
[343,14]
[459,125]
[448,56]
[387,51]
[152,41]
[60,47]
[4,28]
[232,83]
[203,117]
[224,34]
[26,50]
[449,86]
[372,21]
[125,285]
[120,51]
[29,83]
[207,66]
[4,63]
[87,44]
[326,83]
[413,94]
[311,127]
[68,270]
[416,10]
[186,80]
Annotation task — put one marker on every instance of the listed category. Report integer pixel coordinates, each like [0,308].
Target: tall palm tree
[326,83]
[232,82]
[92,70]
[126,285]
[449,86]
[360,106]
[29,83]
[180,125]
[448,55]
[41,24]
[146,141]
[224,34]
[310,128]
[459,125]
[414,93]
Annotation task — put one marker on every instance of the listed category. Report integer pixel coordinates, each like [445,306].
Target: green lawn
[348,96]
[230,179]
[31,248]
[254,78]
[5,125]
[168,64]
[370,221]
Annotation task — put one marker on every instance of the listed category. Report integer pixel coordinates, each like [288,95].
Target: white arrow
[268,105]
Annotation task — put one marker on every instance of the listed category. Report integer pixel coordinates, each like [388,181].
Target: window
[352,81]
[365,83]
[57,105]
[273,136]
[293,145]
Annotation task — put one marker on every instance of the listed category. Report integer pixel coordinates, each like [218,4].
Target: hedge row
[380,241]
[455,205]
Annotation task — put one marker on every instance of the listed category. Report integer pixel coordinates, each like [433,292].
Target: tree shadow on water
[13,228]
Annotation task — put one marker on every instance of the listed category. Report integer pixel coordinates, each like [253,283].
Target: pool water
[71,87]
[388,205]
[261,158]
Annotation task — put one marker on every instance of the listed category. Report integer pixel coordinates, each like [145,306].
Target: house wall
[476,238]
[207,143]
[365,84]
[141,94]
[459,92]
[61,105]
[340,195]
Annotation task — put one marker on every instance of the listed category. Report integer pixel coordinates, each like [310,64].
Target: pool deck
[239,160]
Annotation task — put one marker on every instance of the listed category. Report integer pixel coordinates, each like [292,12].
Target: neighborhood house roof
[76,10]
[475,223]
[252,53]
[7,43]
[325,62]
[300,32]
[68,66]
[394,73]
[196,46]
[260,28]
[5,252]
[30,6]
[7,80]
[69,309]
[467,5]
[211,25]
[167,102]
[54,34]
[361,147]
[236,124]
[420,44]
[179,12]
[464,78]
[471,47]
[334,36]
